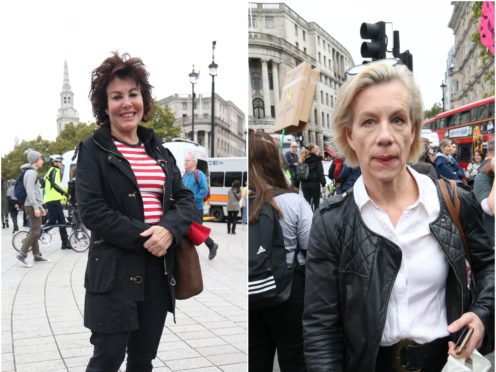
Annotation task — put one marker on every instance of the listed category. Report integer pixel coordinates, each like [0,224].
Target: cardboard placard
[297,94]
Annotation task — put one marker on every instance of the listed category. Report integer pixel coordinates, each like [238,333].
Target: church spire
[67,113]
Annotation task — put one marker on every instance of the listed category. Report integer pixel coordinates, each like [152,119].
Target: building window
[305,50]
[304,34]
[256,80]
[321,97]
[269,22]
[297,45]
[258,108]
[318,40]
[296,30]
[272,111]
[319,58]
[328,121]
[327,99]
[252,21]
[325,60]
[185,106]
[323,121]
[316,117]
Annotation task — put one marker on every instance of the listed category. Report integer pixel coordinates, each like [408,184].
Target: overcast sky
[170,37]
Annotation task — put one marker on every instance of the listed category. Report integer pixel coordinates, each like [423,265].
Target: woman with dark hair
[278,327]
[132,198]
[316,179]
[233,197]
[474,166]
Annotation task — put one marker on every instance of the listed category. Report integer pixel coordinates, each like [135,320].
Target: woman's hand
[159,240]
[473,321]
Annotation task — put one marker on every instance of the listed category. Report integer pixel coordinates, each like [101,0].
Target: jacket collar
[104,138]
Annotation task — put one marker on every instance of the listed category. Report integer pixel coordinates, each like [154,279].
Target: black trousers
[141,344]
[56,217]
[232,218]
[311,193]
[209,242]
[278,328]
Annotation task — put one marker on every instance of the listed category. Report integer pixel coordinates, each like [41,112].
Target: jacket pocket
[101,270]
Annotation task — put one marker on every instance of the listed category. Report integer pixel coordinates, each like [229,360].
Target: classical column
[275,78]
[250,95]
[265,85]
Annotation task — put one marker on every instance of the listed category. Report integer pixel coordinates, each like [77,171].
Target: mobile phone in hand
[463,339]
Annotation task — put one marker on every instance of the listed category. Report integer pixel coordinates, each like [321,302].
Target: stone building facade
[279,40]
[465,71]
[230,129]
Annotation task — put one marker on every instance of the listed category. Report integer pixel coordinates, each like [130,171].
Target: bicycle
[79,239]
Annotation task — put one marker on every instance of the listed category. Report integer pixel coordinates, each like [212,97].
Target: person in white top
[386,284]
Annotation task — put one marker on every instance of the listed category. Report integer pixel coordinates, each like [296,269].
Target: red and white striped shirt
[150,177]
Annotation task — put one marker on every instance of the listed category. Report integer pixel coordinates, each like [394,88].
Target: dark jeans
[311,193]
[56,217]
[209,242]
[13,214]
[141,344]
[278,328]
[232,218]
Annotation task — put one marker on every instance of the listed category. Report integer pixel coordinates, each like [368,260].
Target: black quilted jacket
[350,273]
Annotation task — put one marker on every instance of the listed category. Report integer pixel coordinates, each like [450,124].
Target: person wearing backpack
[33,206]
[195,180]
[311,184]
[279,227]
[14,206]
[54,194]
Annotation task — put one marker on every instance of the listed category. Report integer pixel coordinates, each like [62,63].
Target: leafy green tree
[486,57]
[12,162]
[70,136]
[433,111]
[162,122]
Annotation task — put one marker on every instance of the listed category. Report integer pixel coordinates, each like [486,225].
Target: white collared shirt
[417,307]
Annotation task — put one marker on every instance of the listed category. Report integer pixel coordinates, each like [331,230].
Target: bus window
[441,124]
[482,112]
[473,114]
[464,152]
[231,177]
[464,117]
[216,179]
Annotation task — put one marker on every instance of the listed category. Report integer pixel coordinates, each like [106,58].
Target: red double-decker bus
[469,126]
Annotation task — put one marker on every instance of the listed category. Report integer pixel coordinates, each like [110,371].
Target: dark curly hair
[122,67]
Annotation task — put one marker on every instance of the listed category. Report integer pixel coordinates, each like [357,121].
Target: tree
[486,57]
[433,111]
[70,137]
[67,140]
[12,162]
[162,122]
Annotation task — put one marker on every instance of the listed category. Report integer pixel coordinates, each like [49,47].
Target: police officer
[53,196]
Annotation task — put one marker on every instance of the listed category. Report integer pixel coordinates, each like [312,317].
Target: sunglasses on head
[356,69]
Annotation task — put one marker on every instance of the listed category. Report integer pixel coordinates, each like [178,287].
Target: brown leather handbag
[189,281]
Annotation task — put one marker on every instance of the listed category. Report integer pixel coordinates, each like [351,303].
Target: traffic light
[407,59]
[376,48]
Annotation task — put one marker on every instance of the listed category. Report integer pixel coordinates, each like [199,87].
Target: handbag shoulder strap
[454,209]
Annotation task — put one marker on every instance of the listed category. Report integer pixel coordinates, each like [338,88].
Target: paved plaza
[42,312]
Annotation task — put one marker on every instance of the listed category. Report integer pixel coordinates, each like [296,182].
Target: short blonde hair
[375,73]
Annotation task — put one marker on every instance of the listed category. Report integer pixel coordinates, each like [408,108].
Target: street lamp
[443,86]
[193,77]
[213,72]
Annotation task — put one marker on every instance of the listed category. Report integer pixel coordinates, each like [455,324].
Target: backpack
[207,196]
[19,189]
[302,171]
[269,277]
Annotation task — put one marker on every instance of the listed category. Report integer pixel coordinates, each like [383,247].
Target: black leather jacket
[350,273]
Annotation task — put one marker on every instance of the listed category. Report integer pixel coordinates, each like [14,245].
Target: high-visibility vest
[50,193]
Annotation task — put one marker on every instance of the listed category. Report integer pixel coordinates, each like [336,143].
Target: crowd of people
[383,262]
